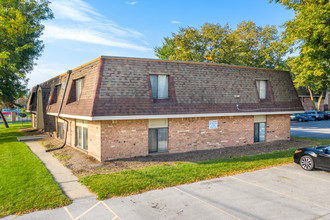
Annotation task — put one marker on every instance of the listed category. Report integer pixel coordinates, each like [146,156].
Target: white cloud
[130,3]
[175,22]
[76,10]
[82,34]
[76,20]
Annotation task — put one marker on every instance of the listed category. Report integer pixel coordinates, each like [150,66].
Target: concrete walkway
[62,175]
[32,138]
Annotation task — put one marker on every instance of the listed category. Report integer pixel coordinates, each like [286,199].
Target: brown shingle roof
[116,86]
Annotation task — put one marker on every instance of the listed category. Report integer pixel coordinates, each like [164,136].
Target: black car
[314,157]
[326,115]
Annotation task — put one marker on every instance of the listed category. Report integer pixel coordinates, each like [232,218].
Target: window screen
[58,89]
[162,87]
[82,134]
[79,85]
[60,130]
[261,85]
[158,139]
[159,86]
[259,132]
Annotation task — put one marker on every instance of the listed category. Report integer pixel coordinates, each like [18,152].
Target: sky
[84,30]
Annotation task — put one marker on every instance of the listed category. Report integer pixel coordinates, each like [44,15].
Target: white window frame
[58,90]
[79,83]
[261,125]
[83,143]
[159,91]
[158,125]
[60,128]
[262,88]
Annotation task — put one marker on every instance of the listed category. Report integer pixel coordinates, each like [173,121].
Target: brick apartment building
[125,107]
[307,102]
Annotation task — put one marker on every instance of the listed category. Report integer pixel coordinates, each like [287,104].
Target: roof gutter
[59,112]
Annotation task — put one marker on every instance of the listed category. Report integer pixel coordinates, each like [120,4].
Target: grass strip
[318,141]
[136,181]
[25,183]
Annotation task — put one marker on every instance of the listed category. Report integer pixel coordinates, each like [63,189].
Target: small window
[158,140]
[79,85]
[56,93]
[60,129]
[158,135]
[58,89]
[259,132]
[159,86]
[261,86]
[82,134]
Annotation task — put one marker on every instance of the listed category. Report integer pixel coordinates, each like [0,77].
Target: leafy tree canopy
[309,34]
[20,30]
[248,45]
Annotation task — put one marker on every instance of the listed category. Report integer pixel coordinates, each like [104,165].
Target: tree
[248,45]
[20,30]
[309,34]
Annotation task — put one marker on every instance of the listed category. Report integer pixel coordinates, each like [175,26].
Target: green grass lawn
[155,177]
[317,141]
[25,184]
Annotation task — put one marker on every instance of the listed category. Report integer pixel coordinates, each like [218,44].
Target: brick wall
[124,138]
[94,139]
[278,127]
[71,139]
[129,138]
[308,104]
[194,134]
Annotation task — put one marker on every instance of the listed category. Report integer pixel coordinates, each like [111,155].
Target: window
[79,84]
[56,93]
[259,132]
[58,89]
[82,134]
[158,135]
[159,86]
[259,128]
[60,128]
[261,86]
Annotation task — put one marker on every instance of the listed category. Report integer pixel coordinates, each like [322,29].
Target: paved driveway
[284,192]
[311,129]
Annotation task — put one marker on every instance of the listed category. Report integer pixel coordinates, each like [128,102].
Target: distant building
[306,100]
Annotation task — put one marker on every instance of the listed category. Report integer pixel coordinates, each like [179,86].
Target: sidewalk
[62,175]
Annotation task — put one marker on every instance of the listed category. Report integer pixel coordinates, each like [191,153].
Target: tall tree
[309,34]
[20,46]
[248,45]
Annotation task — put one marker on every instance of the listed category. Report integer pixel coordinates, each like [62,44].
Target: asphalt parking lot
[284,192]
[311,129]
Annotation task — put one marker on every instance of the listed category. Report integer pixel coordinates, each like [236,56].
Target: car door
[324,158]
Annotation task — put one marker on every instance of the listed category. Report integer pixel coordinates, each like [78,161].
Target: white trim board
[130,117]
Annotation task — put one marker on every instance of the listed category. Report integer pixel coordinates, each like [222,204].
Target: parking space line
[302,174]
[67,211]
[283,194]
[84,213]
[115,214]
[209,204]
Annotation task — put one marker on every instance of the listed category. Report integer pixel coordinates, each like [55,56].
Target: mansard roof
[121,87]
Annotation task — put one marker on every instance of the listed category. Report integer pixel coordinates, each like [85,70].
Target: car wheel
[307,162]
[300,119]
